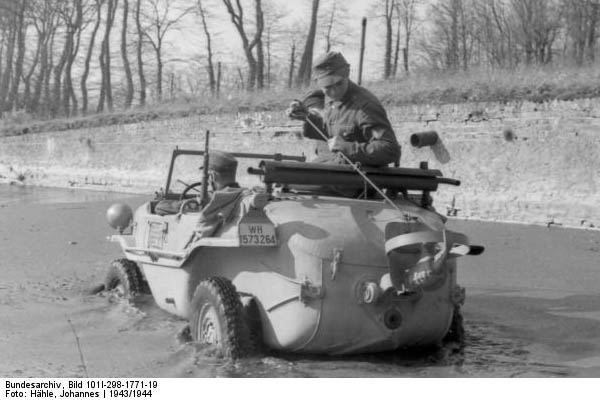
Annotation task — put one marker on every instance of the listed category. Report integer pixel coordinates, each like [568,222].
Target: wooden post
[362,49]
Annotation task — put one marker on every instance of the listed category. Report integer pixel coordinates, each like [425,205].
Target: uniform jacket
[361,121]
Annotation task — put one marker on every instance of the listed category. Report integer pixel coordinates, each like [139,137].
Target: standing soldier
[352,117]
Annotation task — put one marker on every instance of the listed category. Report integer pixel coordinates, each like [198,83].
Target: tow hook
[308,291]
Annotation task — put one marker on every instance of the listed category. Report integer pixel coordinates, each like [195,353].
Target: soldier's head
[332,73]
[222,167]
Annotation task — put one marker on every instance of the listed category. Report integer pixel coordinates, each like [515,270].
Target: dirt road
[532,309]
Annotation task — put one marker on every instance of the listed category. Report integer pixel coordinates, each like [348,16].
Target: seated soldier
[226,194]
[221,173]
[222,168]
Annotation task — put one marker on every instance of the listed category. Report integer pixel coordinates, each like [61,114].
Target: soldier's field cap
[330,69]
[221,161]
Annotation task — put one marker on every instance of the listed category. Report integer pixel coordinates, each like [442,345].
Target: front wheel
[125,278]
[217,316]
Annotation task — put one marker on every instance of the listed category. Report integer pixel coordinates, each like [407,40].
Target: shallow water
[532,307]
[21,194]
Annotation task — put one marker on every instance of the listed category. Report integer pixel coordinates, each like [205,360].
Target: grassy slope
[528,84]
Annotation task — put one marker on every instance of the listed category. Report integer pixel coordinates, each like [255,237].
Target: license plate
[257,234]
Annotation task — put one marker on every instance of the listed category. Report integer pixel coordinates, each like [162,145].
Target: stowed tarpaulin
[218,210]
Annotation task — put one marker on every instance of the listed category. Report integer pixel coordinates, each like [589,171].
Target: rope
[358,170]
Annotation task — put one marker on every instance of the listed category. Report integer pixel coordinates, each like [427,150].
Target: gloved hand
[337,143]
[297,110]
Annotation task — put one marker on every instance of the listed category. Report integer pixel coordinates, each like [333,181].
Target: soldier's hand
[296,110]
[335,144]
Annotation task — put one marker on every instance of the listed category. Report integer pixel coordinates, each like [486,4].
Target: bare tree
[452,36]
[45,21]
[126,65]
[335,22]
[64,10]
[305,68]
[495,33]
[406,10]
[20,26]
[538,24]
[10,30]
[209,53]
[88,58]
[105,59]
[581,25]
[162,18]
[73,17]
[389,6]
[27,76]
[139,52]
[236,13]
[292,62]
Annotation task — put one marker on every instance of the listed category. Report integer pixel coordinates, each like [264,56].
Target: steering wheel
[188,188]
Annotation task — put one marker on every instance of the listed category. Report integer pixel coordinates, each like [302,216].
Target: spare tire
[125,278]
[217,316]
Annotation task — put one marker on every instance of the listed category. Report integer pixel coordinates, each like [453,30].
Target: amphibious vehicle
[311,260]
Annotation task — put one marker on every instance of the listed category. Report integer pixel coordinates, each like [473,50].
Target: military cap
[221,161]
[331,68]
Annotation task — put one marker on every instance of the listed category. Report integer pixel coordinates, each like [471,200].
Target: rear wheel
[124,278]
[217,316]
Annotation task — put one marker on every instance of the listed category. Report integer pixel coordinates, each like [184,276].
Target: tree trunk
[29,75]
[210,66]
[58,71]
[387,61]
[37,90]
[7,74]
[21,31]
[397,48]
[106,88]
[305,68]
[159,70]
[241,76]
[292,61]
[74,30]
[592,36]
[260,65]
[260,51]
[88,58]
[140,60]
[79,25]
[47,94]
[219,79]
[254,66]
[269,57]
[330,28]
[126,66]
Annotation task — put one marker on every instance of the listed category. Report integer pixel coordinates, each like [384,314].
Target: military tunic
[361,122]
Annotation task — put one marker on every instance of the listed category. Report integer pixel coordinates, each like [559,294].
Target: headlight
[119,216]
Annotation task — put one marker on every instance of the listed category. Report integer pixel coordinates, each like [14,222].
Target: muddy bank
[522,162]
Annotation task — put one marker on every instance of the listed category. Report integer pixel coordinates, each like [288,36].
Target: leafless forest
[61,58]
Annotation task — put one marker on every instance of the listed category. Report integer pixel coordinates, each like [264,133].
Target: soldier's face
[336,91]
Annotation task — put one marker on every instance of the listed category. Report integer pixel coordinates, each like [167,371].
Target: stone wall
[534,163]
